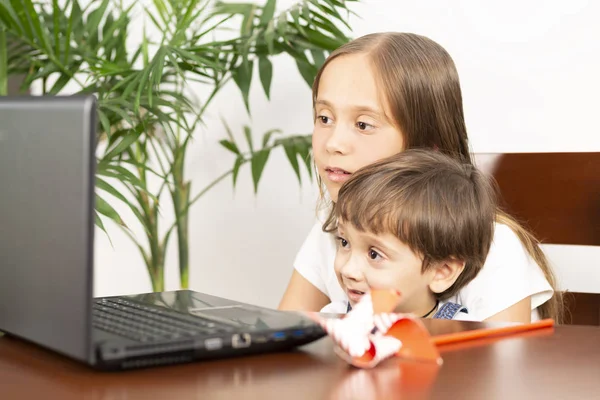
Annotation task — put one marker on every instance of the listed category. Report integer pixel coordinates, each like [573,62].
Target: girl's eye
[373,255]
[363,126]
[324,120]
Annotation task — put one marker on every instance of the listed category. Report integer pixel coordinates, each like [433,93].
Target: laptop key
[142,323]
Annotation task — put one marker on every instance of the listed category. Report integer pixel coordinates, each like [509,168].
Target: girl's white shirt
[508,276]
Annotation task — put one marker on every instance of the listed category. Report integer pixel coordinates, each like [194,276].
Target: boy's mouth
[354,295]
[337,174]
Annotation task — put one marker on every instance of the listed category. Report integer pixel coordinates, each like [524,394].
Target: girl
[420,223]
[382,94]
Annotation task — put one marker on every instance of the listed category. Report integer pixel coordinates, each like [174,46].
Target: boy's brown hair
[440,207]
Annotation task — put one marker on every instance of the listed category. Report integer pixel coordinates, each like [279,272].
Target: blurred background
[530,84]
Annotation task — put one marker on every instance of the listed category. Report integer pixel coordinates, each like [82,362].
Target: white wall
[530,83]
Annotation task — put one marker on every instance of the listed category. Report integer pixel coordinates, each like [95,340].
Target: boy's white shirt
[508,276]
[340,307]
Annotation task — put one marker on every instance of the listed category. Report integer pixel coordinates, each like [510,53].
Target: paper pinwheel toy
[371,332]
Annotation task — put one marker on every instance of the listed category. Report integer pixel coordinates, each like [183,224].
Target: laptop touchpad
[250,318]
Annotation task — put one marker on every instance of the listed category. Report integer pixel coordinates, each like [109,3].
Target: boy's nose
[351,270]
[338,141]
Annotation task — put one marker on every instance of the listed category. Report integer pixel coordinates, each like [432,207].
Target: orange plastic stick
[487,332]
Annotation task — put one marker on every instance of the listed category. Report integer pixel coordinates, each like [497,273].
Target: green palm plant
[147,116]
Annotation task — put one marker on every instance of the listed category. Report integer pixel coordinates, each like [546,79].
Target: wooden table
[563,363]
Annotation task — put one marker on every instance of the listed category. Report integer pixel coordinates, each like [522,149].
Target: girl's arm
[519,312]
[301,295]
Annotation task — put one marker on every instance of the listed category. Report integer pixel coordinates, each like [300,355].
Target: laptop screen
[47,163]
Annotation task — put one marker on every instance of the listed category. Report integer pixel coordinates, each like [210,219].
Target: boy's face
[364,261]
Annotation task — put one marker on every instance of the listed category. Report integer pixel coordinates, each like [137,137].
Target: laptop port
[278,336]
[213,343]
[299,333]
[239,341]
[260,339]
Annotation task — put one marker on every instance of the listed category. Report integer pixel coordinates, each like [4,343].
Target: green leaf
[318,57]
[282,25]
[10,19]
[325,24]
[102,184]
[242,76]
[236,168]
[257,163]
[93,21]
[248,135]
[184,22]
[55,19]
[231,8]
[125,143]
[323,41]
[267,136]
[334,13]
[270,36]
[144,80]
[307,70]
[228,130]
[121,173]
[145,57]
[292,155]
[33,19]
[303,146]
[295,13]
[76,25]
[104,122]
[143,167]
[117,111]
[265,69]
[157,72]
[98,222]
[230,146]
[155,21]
[162,11]
[268,12]
[107,210]
[202,61]
[248,22]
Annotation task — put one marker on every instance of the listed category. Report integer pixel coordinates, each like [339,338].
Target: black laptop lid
[47,164]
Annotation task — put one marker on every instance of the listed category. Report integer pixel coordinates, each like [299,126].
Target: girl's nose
[338,142]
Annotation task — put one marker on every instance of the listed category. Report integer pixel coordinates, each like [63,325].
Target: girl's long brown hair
[420,83]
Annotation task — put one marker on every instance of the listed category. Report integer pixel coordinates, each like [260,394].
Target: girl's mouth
[337,175]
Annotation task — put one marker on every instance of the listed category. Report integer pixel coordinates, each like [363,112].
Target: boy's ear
[445,273]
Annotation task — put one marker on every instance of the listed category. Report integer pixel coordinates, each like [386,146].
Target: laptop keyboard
[147,324]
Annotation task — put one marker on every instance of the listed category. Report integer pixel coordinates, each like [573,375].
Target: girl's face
[353,126]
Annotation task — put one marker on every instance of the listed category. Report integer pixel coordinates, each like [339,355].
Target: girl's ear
[445,273]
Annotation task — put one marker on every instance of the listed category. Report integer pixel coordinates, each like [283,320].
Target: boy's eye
[373,255]
[343,242]
[363,126]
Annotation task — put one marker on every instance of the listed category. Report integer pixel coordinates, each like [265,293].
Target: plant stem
[181,198]
[3,64]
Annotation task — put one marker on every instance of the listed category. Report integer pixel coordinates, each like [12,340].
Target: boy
[420,223]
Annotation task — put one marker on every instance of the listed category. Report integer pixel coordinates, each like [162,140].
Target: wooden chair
[557,197]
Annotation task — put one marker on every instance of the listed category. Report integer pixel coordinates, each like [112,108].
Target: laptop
[47,186]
